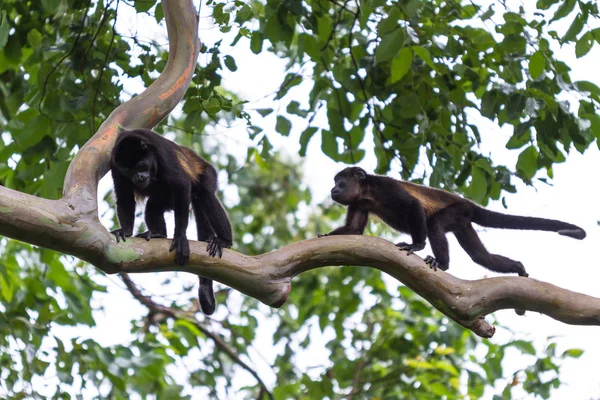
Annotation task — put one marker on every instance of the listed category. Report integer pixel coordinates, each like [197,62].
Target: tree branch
[143,111]
[71,225]
[267,277]
[178,314]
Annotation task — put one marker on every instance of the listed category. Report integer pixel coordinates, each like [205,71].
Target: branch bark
[71,225]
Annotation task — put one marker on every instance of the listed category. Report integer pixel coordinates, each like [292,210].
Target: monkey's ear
[361,174]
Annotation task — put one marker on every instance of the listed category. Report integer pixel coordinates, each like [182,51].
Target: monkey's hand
[433,263]
[216,245]
[121,234]
[182,249]
[322,234]
[411,248]
[150,235]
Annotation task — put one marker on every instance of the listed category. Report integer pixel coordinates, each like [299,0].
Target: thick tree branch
[267,277]
[71,225]
[178,314]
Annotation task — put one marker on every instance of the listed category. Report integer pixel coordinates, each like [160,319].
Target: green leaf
[574,29]
[256,42]
[212,106]
[565,9]
[305,138]
[401,64]
[159,13]
[527,162]
[573,353]
[584,45]
[230,63]
[283,126]
[264,111]
[4,28]
[587,86]
[525,346]
[478,185]
[537,64]
[423,53]
[34,37]
[390,45]
[144,6]
[289,82]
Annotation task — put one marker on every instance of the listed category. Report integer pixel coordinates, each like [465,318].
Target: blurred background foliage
[403,79]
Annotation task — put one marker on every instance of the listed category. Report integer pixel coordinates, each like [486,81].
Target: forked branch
[71,225]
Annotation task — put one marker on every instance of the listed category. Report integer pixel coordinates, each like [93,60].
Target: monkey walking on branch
[425,212]
[146,165]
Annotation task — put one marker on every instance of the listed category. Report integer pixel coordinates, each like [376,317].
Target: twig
[154,307]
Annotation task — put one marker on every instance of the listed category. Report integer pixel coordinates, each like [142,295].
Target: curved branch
[70,225]
[143,111]
[268,277]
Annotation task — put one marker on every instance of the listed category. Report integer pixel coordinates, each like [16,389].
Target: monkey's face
[143,172]
[137,161]
[347,189]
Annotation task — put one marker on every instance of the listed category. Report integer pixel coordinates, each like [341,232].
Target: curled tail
[206,296]
[494,219]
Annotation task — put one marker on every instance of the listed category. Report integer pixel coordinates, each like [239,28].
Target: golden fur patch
[432,200]
[191,164]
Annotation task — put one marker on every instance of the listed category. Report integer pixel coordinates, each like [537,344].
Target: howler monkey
[146,165]
[426,212]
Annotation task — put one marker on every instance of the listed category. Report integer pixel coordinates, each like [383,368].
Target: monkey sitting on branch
[425,212]
[146,165]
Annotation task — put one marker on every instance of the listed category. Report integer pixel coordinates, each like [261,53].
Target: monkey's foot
[520,269]
[120,234]
[411,248]
[322,234]
[182,247]
[433,263]
[216,245]
[150,235]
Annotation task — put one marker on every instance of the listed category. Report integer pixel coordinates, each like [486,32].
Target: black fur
[425,212]
[146,165]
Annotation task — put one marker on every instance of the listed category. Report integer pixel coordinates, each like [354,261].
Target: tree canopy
[405,80]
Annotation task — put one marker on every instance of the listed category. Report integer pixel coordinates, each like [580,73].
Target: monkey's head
[136,159]
[348,184]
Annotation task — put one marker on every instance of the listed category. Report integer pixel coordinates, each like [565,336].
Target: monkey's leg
[206,295]
[155,221]
[417,226]
[213,226]
[469,240]
[439,246]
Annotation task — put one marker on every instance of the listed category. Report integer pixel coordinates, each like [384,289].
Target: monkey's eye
[144,145]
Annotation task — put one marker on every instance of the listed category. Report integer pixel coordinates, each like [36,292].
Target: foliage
[413,77]
[409,76]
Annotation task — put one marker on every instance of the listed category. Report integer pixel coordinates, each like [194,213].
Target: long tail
[206,296]
[494,219]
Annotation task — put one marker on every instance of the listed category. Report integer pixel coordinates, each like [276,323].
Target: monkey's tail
[494,219]
[206,296]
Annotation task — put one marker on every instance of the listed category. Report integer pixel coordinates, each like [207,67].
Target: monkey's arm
[181,206]
[125,205]
[356,221]
[417,226]
[219,222]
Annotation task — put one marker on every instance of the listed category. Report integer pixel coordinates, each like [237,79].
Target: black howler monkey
[146,165]
[426,212]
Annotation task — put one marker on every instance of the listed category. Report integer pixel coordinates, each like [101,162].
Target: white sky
[549,257]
